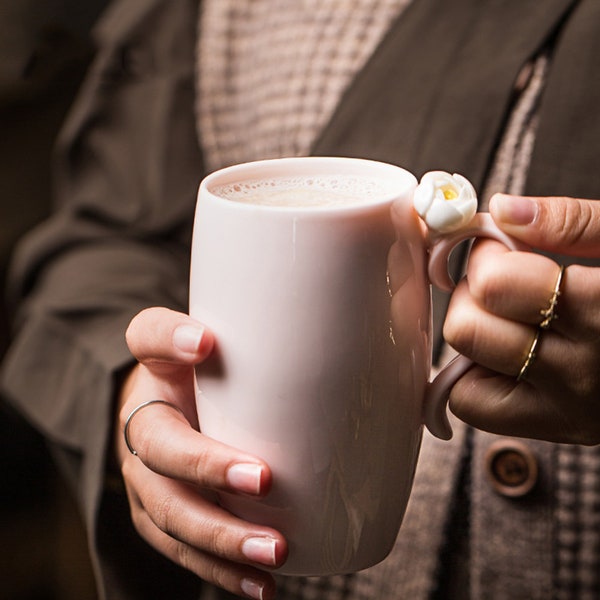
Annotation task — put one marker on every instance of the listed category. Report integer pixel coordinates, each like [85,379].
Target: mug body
[307,372]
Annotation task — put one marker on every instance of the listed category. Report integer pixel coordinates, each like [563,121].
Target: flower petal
[465,184]
[423,197]
[443,217]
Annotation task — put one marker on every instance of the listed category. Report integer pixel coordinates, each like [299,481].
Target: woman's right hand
[172,480]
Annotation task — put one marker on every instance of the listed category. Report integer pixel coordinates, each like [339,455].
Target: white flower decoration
[445,202]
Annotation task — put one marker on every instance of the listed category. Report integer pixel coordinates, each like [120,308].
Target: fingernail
[187,338]
[245,477]
[261,550]
[252,588]
[514,210]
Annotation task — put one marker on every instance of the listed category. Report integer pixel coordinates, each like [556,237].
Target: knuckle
[199,467]
[219,540]
[451,331]
[487,287]
[196,466]
[184,555]
[573,220]
[578,218]
[205,467]
[459,331]
[460,340]
[491,279]
[215,573]
[165,514]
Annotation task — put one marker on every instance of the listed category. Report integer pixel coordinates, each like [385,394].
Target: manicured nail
[252,588]
[262,550]
[514,210]
[187,338]
[245,477]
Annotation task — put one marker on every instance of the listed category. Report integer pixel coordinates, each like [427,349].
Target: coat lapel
[445,103]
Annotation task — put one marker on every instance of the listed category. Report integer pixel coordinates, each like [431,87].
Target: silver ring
[135,411]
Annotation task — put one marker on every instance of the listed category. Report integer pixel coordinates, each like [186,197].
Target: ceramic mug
[289,270]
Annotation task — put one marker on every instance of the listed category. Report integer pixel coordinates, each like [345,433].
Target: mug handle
[440,247]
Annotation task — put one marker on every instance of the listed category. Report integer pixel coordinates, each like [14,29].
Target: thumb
[563,225]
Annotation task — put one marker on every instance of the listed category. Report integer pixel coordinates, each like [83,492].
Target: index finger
[511,284]
[167,444]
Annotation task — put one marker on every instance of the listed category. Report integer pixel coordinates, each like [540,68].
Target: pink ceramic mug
[290,271]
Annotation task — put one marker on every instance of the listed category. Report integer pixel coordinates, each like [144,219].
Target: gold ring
[135,411]
[549,314]
[530,356]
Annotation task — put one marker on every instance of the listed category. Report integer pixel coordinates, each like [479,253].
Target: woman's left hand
[494,317]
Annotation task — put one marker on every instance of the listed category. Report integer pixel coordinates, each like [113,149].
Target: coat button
[511,468]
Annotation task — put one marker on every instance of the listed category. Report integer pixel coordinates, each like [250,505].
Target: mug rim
[308,166]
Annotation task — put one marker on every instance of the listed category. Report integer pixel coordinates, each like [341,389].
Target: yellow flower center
[450,193]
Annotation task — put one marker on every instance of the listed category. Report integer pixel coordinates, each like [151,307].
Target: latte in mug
[325,191]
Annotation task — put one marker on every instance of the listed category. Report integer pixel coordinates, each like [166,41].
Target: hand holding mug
[172,478]
[495,315]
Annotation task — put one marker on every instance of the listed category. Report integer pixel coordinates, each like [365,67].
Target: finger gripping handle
[440,247]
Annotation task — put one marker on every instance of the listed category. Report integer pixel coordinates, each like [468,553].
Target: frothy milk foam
[321,191]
